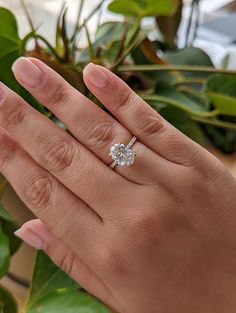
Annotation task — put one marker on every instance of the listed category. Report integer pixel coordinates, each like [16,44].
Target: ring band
[123,155]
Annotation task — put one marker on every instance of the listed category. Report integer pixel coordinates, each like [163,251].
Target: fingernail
[96,75]
[31,238]
[27,72]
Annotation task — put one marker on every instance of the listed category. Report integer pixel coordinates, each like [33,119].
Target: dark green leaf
[169,25]
[189,56]
[166,90]
[183,122]
[221,90]
[4,252]
[7,302]
[9,227]
[54,292]
[8,25]
[6,75]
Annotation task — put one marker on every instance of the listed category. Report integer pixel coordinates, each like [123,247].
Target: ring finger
[93,127]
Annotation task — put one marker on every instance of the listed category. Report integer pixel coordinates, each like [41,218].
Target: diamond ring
[123,155]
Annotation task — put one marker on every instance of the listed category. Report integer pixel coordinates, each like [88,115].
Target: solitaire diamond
[124,156]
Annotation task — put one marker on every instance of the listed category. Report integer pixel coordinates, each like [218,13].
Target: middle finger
[91,125]
[59,153]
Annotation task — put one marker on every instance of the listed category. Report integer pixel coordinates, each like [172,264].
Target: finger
[137,116]
[60,154]
[37,235]
[48,199]
[93,127]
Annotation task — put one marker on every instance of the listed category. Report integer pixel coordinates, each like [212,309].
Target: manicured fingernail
[31,238]
[27,72]
[96,75]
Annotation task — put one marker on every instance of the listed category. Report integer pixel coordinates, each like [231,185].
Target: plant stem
[216,123]
[178,105]
[132,44]
[50,47]
[190,81]
[29,21]
[180,68]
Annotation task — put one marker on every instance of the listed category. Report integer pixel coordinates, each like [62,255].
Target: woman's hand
[158,236]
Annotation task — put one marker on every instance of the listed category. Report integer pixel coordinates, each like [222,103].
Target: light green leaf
[8,25]
[160,7]
[221,90]
[141,8]
[4,252]
[7,302]
[54,292]
[126,8]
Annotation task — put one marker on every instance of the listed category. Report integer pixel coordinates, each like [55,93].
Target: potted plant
[182,85]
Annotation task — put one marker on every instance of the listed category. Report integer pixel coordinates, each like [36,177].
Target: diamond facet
[122,155]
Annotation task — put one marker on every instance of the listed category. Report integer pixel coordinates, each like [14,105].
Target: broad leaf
[4,252]
[190,56]
[7,302]
[8,25]
[183,122]
[9,226]
[221,90]
[54,292]
[169,25]
[166,90]
[141,8]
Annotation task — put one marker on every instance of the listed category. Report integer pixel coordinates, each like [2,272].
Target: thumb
[37,235]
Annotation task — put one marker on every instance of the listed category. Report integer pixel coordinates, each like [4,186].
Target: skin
[159,236]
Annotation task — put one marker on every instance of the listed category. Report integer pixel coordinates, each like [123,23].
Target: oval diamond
[122,155]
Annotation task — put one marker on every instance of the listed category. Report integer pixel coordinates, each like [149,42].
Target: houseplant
[182,85]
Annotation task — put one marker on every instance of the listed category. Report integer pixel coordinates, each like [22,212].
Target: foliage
[54,292]
[182,85]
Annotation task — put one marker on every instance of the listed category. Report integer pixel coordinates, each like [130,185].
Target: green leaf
[221,90]
[182,121]
[160,7]
[126,8]
[8,25]
[9,226]
[189,56]
[169,25]
[166,90]
[7,302]
[141,8]
[4,252]
[54,292]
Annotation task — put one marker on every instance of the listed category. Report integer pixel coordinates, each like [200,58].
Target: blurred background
[216,30]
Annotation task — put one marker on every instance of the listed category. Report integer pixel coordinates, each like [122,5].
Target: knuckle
[57,154]
[59,94]
[124,98]
[38,190]
[67,261]
[151,125]
[101,135]
[112,260]
[7,151]
[14,115]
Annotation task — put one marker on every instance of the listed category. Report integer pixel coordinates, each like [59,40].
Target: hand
[158,236]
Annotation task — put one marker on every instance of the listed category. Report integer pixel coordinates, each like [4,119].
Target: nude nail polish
[27,72]
[31,238]
[96,75]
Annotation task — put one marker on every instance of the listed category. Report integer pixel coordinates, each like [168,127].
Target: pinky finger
[37,235]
